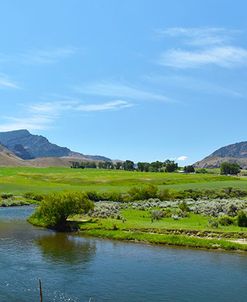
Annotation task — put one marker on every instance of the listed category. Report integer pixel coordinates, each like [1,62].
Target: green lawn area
[141,220]
[24,179]
[192,231]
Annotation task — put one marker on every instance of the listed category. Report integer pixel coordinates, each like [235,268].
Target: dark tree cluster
[129,165]
[189,169]
[229,168]
[157,166]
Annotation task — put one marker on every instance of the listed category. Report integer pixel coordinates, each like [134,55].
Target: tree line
[129,165]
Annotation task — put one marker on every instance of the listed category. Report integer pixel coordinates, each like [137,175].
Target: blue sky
[134,79]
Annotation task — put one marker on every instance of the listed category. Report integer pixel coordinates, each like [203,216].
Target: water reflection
[66,248]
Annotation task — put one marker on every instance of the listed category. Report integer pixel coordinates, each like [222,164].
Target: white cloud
[5,82]
[41,116]
[200,36]
[115,105]
[109,89]
[220,56]
[34,122]
[182,158]
[203,46]
[39,56]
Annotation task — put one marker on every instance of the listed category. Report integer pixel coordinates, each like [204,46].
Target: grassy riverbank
[191,231]
[137,195]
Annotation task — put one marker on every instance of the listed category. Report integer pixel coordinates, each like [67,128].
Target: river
[75,268]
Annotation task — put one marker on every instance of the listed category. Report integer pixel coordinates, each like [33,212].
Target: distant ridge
[26,146]
[235,153]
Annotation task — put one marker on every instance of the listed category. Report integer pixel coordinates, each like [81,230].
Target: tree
[227,168]
[189,169]
[57,207]
[156,166]
[128,165]
[170,166]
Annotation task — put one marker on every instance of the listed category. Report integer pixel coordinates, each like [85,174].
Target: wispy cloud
[42,116]
[207,46]
[122,91]
[194,84]
[5,82]
[39,56]
[34,122]
[114,105]
[200,36]
[220,56]
[46,56]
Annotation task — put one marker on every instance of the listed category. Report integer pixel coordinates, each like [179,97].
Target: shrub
[184,207]
[213,223]
[57,207]
[142,193]
[7,195]
[226,220]
[201,170]
[242,219]
[156,215]
[33,196]
[164,194]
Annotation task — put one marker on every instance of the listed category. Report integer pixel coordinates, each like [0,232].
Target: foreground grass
[177,240]
[43,180]
[192,231]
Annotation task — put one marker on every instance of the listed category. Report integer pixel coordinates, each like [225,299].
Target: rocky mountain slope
[8,158]
[28,146]
[236,153]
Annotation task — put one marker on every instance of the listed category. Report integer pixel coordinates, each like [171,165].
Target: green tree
[128,165]
[55,209]
[229,168]
[170,166]
[189,169]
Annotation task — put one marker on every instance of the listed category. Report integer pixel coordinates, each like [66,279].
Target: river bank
[169,238]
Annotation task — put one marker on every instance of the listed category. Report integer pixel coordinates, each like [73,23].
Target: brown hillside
[7,158]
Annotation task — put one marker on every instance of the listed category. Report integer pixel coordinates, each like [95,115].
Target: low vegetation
[55,209]
[148,205]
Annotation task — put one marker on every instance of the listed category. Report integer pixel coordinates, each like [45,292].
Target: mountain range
[21,148]
[235,153]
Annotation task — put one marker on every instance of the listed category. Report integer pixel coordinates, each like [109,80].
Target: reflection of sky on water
[75,269]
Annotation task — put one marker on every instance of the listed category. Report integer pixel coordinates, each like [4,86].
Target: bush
[201,170]
[57,207]
[184,207]
[226,220]
[156,215]
[7,195]
[33,196]
[164,194]
[242,219]
[213,223]
[142,193]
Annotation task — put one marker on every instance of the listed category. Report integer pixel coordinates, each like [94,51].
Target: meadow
[133,222]
[19,180]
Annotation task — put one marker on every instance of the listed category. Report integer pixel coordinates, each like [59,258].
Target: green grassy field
[192,231]
[42,180]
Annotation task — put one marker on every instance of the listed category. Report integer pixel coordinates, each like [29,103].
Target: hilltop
[236,153]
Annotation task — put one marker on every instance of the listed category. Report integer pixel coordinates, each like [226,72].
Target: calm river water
[73,268]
